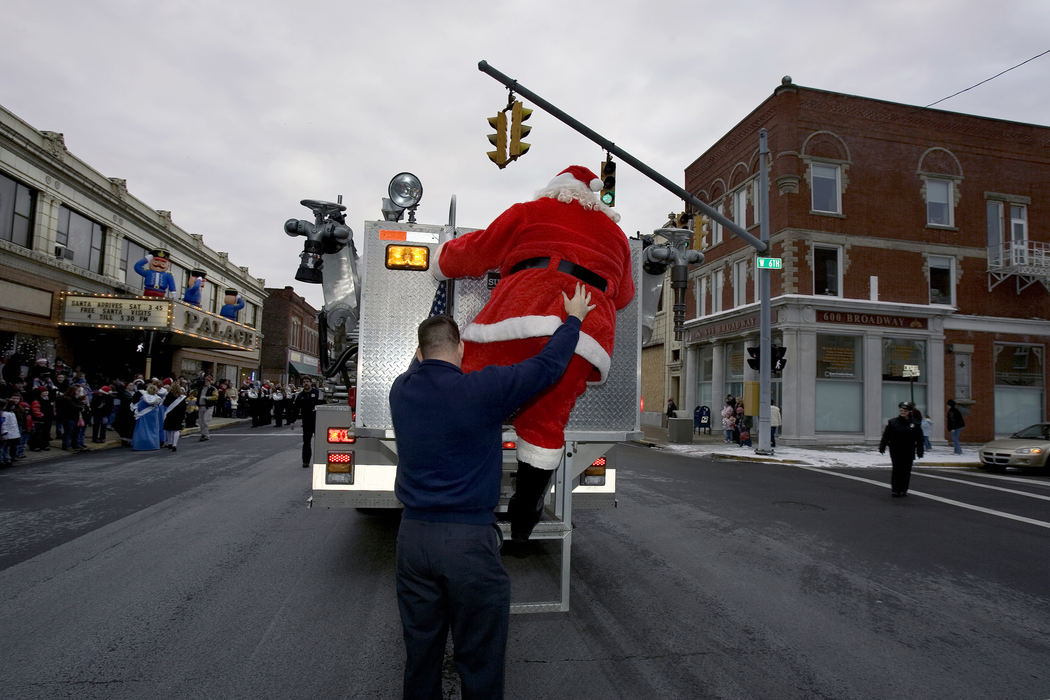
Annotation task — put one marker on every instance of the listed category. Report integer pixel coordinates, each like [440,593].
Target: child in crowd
[9,434]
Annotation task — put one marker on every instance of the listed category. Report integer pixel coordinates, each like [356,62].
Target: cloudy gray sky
[229,112]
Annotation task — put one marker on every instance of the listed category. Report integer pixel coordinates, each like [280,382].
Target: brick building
[290,338]
[913,240]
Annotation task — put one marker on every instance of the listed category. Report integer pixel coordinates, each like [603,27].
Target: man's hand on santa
[580,304]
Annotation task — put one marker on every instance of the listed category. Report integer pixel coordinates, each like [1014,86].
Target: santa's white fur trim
[435,266]
[537,327]
[540,457]
[566,188]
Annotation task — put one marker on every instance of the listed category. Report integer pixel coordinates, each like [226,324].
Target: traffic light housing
[608,193]
[499,139]
[779,359]
[754,362]
[518,115]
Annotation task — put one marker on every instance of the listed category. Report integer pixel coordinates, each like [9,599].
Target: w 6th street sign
[769,263]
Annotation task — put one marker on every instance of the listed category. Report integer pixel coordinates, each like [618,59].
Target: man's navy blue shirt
[449,427]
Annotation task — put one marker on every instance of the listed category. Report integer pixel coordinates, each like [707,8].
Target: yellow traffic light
[518,130]
[608,193]
[499,139]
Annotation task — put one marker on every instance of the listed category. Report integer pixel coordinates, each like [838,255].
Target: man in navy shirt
[449,429]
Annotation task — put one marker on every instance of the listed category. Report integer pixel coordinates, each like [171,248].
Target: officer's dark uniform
[903,435]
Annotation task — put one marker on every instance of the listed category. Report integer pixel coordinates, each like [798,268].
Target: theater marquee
[189,325]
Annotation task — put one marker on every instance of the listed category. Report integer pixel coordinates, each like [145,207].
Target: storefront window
[840,384]
[704,377]
[900,359]
[734,372]
[1020,372]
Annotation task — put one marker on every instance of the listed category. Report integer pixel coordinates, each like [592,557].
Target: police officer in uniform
[903,435]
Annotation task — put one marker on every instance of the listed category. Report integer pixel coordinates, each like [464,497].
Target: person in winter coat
[67,412]
[775,421]
[43,413]
[149,418]
[174,415]
[305,402]
[729,420]
[25,423]
[954,423]
[124,416]
[278,405]
[903,436]
[10,435]
[101,407]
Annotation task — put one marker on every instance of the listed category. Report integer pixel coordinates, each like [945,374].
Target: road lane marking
[985,486]
[932,497]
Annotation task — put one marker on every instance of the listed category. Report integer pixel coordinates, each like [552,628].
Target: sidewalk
[714,446]
[112,441]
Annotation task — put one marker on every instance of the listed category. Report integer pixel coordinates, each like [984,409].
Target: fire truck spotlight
[407,257]
[405,190]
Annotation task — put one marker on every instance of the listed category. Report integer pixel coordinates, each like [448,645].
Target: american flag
[440,304]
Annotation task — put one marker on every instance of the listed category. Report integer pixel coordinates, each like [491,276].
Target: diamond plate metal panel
[393,302]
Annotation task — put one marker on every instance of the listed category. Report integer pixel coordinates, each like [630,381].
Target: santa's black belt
[568,267]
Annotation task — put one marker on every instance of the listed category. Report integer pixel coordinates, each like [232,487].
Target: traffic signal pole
[765,353]
[698,204]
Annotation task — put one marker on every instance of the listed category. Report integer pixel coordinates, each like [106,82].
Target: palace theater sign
[194,326]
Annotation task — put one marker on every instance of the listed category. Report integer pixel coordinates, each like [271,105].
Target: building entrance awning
[303,369]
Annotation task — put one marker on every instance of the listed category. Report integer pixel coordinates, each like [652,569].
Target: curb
[56,453]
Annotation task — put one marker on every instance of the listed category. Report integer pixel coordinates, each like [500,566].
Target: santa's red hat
[580,173]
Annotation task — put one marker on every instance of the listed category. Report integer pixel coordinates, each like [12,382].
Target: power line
[987,79]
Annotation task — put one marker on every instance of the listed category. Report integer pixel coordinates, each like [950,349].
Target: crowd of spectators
[41,404]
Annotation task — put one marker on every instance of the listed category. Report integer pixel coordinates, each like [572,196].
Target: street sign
[910,371]
[769,263]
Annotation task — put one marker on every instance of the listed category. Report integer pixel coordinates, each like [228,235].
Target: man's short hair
[437,333]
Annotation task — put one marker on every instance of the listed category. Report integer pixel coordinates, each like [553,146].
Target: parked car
[1027,449]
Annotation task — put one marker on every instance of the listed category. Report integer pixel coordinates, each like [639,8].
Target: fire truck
[374,301]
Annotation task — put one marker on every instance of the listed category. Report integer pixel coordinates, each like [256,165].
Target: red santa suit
[542,248]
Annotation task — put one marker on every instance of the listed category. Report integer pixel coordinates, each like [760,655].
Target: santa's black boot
[526,505]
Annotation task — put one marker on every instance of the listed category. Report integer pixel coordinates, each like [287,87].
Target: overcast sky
[229,112]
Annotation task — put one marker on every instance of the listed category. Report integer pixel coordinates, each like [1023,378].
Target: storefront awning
[303,369]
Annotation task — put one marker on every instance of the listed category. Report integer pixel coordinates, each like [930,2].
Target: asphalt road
[201,574]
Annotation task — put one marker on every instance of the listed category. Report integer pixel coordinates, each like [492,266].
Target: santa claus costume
[541,249]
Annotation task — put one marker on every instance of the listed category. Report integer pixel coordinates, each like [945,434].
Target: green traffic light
[607,198]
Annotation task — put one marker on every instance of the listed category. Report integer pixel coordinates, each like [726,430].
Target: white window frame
[942,262]
[1019,224]
[756,201]
[701,297]
[838,268]
[739,283]
[949,204]
[1018,233]
[716,291]
[716,227]
[740,207]
[837,169]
